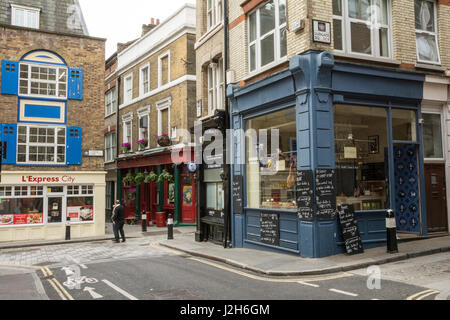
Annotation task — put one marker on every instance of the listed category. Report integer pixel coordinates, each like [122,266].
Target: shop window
[426,31]
[41,145]
[267,34]
[432,136]
[277,188]
[361,145]
[404,125]
[80,209]
[362,27]
[215,195]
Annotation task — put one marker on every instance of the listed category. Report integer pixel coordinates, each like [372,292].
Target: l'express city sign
[49,179]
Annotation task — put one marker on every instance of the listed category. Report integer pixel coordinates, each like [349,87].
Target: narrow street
[140,269]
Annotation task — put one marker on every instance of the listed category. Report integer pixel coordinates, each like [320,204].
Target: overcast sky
[122,20]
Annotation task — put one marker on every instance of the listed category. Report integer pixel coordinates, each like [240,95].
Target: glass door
[55,204]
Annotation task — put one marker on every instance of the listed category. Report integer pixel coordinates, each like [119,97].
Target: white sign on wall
[321,31]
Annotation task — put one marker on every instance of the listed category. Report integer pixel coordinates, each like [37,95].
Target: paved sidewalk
[279,264]
[131,231]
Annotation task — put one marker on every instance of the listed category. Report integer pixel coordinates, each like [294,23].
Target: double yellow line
[423,294]
[48,275]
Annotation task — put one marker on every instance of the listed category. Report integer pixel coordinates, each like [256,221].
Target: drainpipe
[226,167]
[118,172]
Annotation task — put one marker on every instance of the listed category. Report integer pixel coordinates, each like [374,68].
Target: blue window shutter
[75,84]
[10,77]
[9,136]
[73,149]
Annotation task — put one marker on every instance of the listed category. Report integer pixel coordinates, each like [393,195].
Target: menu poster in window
[270,227]
[21,219]
[305,194]
[326,194]
[237,194]
[80,213]
[350,230]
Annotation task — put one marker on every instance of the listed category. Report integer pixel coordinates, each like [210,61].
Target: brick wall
[89,113]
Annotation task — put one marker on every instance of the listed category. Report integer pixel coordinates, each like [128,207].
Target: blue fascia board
[262,83]
[378,71]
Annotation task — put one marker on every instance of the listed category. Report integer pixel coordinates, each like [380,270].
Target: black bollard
[391,232]
[68,228]
[144,221]
[170,227]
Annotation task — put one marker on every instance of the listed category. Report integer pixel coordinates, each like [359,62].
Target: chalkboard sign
[270,233]
[237,194]
[350,230]
[326,194]
[305,195]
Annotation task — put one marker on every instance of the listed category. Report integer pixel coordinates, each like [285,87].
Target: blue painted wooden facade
[35,109]
[313,83]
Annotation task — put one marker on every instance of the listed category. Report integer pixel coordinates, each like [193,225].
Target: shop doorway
[54,209]
[188,211]
[436,197]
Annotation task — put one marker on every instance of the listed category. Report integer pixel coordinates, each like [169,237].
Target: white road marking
[308,284]
[94,294]
[344,292]
[123,292]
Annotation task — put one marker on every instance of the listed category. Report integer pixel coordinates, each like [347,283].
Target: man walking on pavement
[118,220]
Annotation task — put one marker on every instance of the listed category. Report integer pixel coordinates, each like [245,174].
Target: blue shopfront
[359,124]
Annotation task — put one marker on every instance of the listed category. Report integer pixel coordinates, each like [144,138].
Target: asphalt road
[157,273]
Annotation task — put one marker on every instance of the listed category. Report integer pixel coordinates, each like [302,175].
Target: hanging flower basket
[165,175]
[142,143]
[128,180]
[152,176]
[164,140]
[139,178]
[126,147]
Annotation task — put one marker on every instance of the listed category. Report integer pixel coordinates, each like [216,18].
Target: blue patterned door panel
[407,205]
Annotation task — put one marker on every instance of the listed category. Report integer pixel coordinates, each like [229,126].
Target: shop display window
[275,190]
[432,136]
[80,209]
[21,211]
[361,145]
[215,195]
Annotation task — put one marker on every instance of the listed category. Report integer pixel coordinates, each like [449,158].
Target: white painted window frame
[216,89]
[346,33]
[160,57]
[111,138]
[143,83]
[435,34]
[27,11]
[29,144]
[56,82]
[128,91]
[110,108]
[127,120]
[435,110]
[142,113]
[257,42]
[161,106]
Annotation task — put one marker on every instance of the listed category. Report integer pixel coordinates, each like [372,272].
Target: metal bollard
[170,227]
[391,232]
[144,221]
[68,228]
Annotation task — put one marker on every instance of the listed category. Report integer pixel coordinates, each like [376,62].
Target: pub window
[275,190]
[361,145]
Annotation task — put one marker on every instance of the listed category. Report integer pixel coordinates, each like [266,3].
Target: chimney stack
[152,21]
[157,21]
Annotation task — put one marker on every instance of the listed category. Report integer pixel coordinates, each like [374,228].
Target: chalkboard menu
[270,233]
[350,230]
[326,194]
[237,194]
[305,195]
